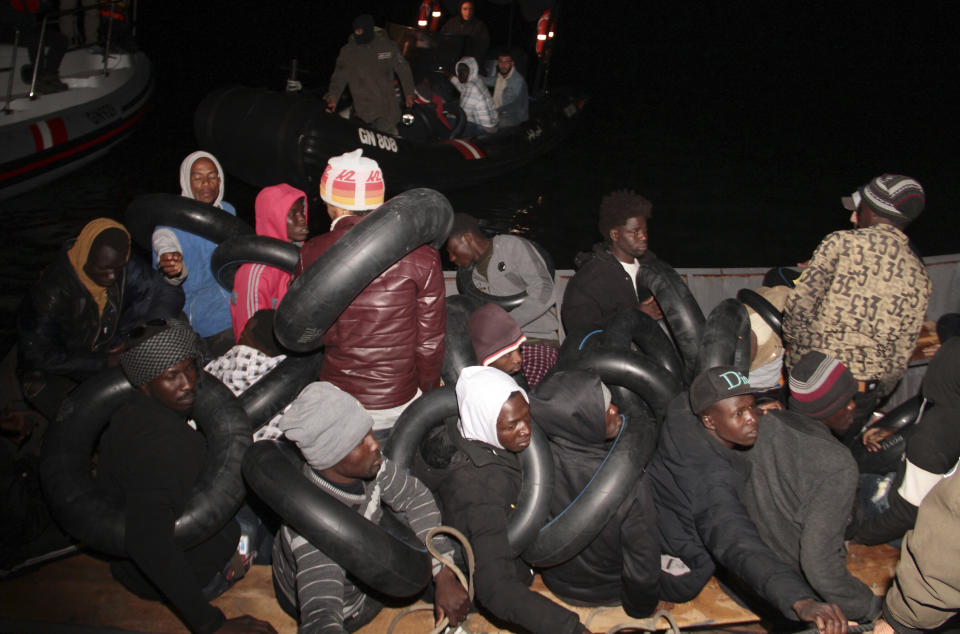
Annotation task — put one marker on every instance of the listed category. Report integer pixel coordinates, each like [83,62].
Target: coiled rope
[467,582]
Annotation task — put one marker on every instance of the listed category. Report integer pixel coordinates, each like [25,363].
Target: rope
[647,625]
[467,583]
[853,629]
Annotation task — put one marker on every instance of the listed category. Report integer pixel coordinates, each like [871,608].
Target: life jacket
[25,6]
[117,13]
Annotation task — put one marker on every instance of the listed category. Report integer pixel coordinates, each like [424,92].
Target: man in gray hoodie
[803,482]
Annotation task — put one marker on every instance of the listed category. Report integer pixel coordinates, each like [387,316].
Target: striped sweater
[319,587]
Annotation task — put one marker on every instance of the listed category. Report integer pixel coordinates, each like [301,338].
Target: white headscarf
[185,189]
[481,392]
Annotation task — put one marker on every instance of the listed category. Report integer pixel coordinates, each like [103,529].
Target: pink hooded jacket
[258,286]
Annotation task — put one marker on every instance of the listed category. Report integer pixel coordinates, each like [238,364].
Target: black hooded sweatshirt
[622,564]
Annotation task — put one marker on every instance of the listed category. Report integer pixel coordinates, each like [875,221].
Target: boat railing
[13,66]
[32,94]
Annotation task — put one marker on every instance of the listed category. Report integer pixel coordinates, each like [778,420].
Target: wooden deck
[78,593]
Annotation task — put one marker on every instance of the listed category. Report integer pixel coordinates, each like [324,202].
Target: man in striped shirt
[334,435]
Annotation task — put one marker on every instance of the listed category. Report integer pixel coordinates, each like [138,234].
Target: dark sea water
[743,123]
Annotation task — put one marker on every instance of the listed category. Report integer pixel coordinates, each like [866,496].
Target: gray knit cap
[162,347]
[326,423]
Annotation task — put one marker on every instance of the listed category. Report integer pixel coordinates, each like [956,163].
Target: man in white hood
[475,99]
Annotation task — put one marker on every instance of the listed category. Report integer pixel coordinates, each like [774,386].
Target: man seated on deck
[510,95]
[802,486]
[606,280]
[926,591]
[386,348]
[481,489]
[863,297]
[335,436]
[475,100]
[698,474]
[506,265]
[184,257]
[621,565]
[74,322]
[149,460]
[498,342]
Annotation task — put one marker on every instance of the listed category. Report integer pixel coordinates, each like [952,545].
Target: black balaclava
[363,23]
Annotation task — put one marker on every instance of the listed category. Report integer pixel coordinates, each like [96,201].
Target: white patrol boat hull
[43,138]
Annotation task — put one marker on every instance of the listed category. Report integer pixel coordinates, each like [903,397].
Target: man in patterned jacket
[863,298]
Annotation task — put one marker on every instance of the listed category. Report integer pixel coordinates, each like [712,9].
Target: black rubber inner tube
[640,374]
[533,505]
[680,310]
[274,391]
[465,285]
[238,250]
[726,338]
[149,211]
[85,512]
[767,311]
[458,347]
[382,561]
[577,525]
[901,419]
[633,326]
[467,288]
[326,288]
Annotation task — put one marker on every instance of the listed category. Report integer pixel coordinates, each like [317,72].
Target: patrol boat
[45,135]
[264,136]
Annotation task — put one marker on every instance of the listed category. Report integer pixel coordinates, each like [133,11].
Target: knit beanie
[364,24]
[352,181]
[160,347]
[820,385]
[893,196]
[493,333]
[326,423]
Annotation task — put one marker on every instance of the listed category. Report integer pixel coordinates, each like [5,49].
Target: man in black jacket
[480,490]
[75,320]
[606,281]
[149,461]
[698,476]
[574,408]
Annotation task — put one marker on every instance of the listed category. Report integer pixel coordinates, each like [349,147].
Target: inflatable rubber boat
[265,136]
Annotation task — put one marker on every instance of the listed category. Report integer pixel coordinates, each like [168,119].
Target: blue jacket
[207,303]
[514,108]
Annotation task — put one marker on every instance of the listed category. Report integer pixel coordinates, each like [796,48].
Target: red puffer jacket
[389,340]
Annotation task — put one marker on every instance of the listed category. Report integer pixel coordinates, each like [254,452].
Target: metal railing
[32,94]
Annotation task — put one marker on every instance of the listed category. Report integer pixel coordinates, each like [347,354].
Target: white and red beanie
[353,182]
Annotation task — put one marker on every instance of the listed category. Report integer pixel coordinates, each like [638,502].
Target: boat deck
[77,594]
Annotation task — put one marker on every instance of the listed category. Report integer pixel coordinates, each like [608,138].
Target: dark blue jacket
[698,485]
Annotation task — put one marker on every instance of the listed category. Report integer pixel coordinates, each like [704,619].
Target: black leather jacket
[61,329]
